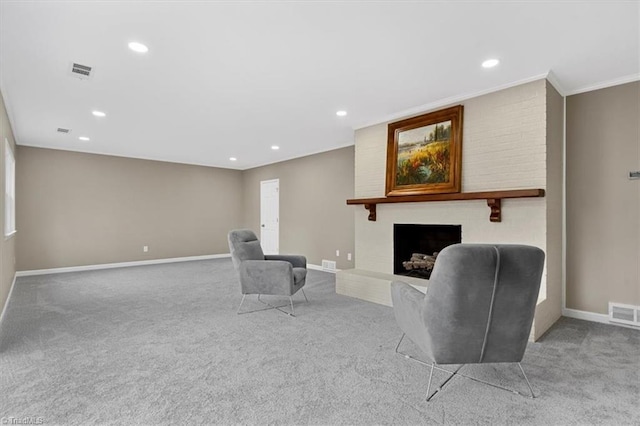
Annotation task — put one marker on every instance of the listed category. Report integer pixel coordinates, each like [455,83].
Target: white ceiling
[225,79]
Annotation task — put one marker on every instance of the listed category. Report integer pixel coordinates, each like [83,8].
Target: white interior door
[270,216]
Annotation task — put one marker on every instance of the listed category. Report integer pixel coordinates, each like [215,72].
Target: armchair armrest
[406,297]
[296,260]
[266,277]
[408,305]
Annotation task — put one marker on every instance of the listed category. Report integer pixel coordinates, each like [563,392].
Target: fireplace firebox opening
[415,247]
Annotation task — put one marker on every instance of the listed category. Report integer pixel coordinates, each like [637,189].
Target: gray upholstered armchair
[276,275]
[478,308]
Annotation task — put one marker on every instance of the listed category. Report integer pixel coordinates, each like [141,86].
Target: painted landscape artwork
[424,155]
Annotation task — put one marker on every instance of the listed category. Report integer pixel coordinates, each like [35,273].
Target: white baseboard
[118,265]
[6,302]
[591,316]
[319,268]
[587,316]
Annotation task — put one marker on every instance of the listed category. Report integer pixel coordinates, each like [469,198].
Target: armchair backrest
[480,302]
[244,245]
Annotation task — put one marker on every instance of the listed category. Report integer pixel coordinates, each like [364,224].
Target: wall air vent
[83,72]
[328,265]
[63,130]
[624,314]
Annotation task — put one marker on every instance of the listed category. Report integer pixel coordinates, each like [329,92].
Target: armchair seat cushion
[299,274]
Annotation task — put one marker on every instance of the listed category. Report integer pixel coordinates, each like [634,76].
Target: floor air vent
[328,265]
[63,130]
[81,71]
[624,314]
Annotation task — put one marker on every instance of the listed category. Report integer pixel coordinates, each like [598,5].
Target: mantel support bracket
[372,211]
[496,211]
[493,203]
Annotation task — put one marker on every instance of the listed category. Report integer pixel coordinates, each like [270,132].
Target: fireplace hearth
[415,247]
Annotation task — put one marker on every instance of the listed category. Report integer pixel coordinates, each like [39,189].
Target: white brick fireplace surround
[512,139]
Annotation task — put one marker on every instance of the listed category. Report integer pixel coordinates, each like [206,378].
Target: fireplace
[414,247]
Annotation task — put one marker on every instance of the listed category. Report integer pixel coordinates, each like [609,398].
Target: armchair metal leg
[407,356]
[304,294]
[258,310]
[433,366]
[270,306]
[453,374]
[429,384]
[502,387]
[397,346]
[528,384]
[277,308]
[241,302]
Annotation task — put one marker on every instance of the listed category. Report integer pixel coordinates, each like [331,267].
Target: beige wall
[314,218]
[77,209]
[603,205]
[549,310]
[7,245]
[504,147]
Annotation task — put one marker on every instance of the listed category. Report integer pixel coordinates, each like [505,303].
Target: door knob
[262,225]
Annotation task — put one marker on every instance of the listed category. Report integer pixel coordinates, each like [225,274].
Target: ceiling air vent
[83,72]
[63,130]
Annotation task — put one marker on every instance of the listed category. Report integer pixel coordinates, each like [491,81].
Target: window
[9,190]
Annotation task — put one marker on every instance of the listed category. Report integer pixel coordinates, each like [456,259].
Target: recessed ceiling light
[490,63]
[98,113]
[138,47]
[341,113]
[275,147]
[232,158]
[84,138]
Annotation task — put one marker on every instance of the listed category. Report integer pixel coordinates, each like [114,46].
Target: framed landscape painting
[424,154]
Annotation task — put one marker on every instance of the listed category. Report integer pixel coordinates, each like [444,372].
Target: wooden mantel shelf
[493,198]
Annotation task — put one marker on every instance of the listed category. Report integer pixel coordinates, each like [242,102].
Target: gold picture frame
[424,154]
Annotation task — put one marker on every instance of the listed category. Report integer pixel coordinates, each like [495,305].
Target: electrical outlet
[145,248]
[337,253]
[348,256]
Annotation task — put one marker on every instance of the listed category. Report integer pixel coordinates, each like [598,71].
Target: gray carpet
[163,345]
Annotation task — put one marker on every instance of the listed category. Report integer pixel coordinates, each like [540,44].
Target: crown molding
[555,82]
[603,85]
[448,101]
[550,76]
